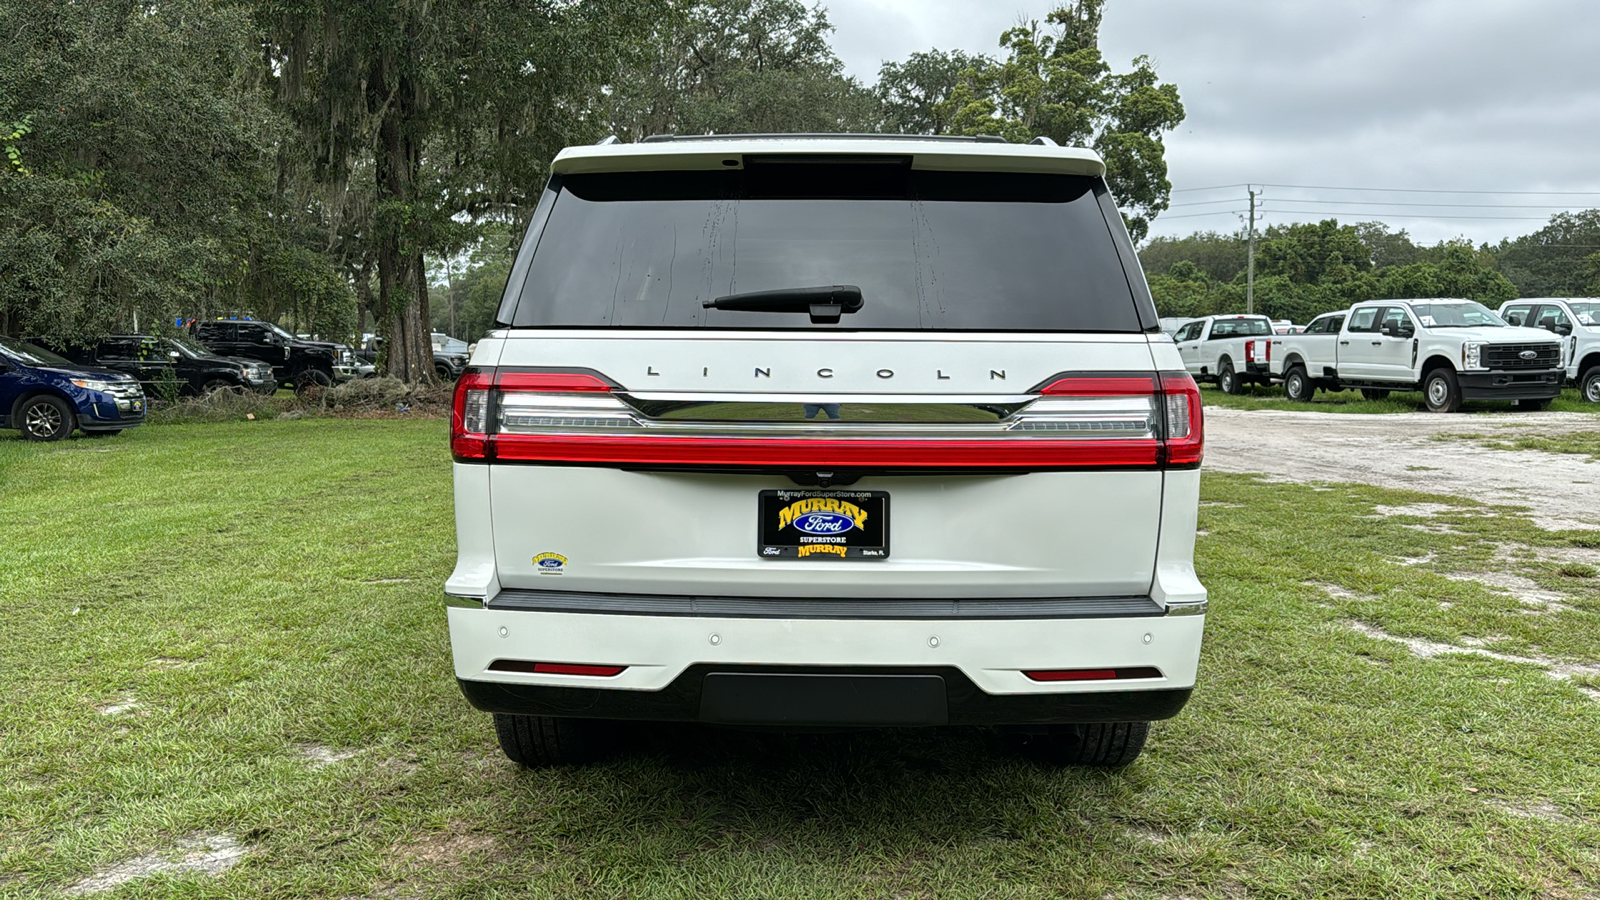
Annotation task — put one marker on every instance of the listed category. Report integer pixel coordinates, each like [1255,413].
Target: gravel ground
[1398,451]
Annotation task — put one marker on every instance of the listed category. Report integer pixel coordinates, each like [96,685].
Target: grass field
[231,636]
[1258,397]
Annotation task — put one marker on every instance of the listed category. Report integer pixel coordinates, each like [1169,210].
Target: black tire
[1442,391]
[1108,744]
[1298,386]
[1227,379]
[538,741]
[443,371]
[306,379]
[219,384]
[1589,384]
[46,418]
[1531,405]
[1374,394]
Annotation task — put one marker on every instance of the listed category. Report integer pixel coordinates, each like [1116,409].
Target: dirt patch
[1543,810]
[319,755]
[1526,590]
[1337,591]
[118,707]
[208,854]
[1426,649]
[1398,451]
[1420,510]
[447,850]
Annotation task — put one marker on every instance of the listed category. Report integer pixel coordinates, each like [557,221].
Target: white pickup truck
[1576,321]
[1452,350]
[1230,350]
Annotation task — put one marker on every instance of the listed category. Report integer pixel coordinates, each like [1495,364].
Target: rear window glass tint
[929,250]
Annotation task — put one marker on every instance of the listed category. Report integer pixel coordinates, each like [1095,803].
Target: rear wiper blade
[825,303]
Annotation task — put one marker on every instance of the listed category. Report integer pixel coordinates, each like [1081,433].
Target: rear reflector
[545,668]
[1093,674]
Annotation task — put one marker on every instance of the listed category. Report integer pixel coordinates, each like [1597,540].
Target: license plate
[804,524]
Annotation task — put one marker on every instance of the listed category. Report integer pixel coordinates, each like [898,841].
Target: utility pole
[1250,260]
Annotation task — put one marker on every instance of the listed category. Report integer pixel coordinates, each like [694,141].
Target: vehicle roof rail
[1042,141]
[812,136]
[608,141]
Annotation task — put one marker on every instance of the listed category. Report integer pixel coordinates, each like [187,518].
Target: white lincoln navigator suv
[826,432]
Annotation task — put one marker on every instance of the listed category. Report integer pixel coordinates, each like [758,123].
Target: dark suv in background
[295,361]
[46,396]
[156,360]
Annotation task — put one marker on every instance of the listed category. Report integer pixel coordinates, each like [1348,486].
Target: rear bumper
[834,698]
[905,671]
[1501,385]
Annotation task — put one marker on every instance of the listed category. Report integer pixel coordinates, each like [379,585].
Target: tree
[1321,253]
[447,110]
[137,163]
[1054,83]
[737,66]
[1550,261]
[914,94]
[1222,257]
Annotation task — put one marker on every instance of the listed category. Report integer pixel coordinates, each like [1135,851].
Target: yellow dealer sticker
[550,564]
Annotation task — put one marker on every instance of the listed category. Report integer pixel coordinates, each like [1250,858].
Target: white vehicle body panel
[1395,363]
[1581,348]
[1203,355]
[641,533]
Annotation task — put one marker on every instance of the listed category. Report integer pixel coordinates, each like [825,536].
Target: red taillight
[469,416]
[1185,423]
[1100,386]
[1093,674]
[547,668]
[551,382]
[1078,421]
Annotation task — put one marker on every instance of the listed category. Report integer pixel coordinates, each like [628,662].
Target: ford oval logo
[550,563]
[824,523]
[1528,354]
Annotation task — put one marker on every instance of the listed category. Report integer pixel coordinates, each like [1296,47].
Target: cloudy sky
[1472,114]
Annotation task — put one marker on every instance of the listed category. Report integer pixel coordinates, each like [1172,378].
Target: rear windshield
[1240,327]
[929,250]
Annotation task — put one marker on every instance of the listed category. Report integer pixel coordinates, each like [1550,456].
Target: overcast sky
[1494,96]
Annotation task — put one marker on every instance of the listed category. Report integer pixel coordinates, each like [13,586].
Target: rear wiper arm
[825,304]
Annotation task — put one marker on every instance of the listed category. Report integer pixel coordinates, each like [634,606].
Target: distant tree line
[1307,269]
[333,165]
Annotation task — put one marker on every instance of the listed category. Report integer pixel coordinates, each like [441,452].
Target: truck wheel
[537,741]
[1442,391]
[1589,384]
[46,418]
[1374,394]
[1297,386]
[443,371]
[217,384]
[1226,379]
[306,379]
[1099,744]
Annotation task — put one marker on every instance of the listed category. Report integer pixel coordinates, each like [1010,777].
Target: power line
[1215,187]
[1347,202]
[1220,212]
[1316,187]
[1332,213]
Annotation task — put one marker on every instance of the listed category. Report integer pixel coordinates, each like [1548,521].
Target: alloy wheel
[42,420]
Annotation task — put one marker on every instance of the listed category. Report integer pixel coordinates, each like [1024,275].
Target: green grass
[263,587]
[1583,443]
[1258,397]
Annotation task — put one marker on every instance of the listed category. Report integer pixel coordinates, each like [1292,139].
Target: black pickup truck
[295,362]
[157,360]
